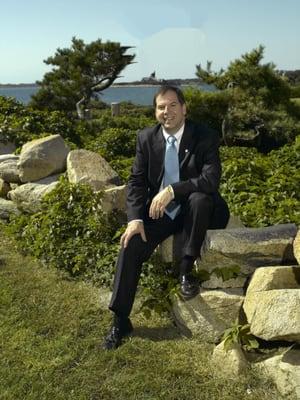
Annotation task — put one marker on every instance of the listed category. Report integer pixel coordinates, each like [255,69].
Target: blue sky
[170,36]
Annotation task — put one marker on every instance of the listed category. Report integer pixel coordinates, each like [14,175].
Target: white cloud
[172,53]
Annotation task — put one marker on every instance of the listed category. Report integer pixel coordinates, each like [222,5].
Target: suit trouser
[194,219]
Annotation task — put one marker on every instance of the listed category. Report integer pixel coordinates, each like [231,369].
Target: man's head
[170,108]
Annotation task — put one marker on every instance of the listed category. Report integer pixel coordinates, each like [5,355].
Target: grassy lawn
[51,328]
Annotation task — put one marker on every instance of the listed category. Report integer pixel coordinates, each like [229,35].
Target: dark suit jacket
[200,167]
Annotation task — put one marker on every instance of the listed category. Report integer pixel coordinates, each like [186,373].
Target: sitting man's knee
[199,198]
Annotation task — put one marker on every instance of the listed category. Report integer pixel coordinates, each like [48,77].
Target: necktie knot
[171,140]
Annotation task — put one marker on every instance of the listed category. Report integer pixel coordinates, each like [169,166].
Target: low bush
[20,124]
[114,143]
[262,189]
[70,232]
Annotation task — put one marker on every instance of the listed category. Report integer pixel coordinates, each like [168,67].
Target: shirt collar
[177,135]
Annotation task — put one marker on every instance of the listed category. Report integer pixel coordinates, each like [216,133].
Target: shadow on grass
[157,334]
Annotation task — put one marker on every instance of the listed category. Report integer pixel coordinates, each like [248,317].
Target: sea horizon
[139,94]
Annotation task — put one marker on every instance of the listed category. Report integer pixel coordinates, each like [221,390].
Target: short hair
[166,88]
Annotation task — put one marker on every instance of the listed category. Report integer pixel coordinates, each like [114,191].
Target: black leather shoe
[189,286]
[118,331]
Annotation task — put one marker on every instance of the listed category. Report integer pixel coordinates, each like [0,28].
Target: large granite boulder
[115,199]
[296,247]
[274,277]
[274,314]
[4,157]
[208,314]
[84,166]
[284,370]
[245,249]
[42,157]
[217,282]
[4,188]
[9,170]
[272,303]
[6,147]
[8,208]
[28,196]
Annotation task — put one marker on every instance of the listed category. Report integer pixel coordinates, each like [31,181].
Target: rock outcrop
[42,157]
[84,166]
[4,188]
[272,303]
[230,362]
[296,247]
[6,147]
[208,314]
[9,170]
[28,196]
[284,369]
[7,208]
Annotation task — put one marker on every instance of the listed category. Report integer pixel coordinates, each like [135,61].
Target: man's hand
[133,228]
[160,202]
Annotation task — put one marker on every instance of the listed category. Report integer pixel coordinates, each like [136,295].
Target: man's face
[169,112]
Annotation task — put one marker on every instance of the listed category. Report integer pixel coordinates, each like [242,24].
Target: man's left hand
[159,203]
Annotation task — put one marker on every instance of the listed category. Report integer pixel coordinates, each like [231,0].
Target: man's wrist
[170,191]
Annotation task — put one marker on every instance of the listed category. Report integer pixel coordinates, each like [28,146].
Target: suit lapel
[186,145]
[159,148]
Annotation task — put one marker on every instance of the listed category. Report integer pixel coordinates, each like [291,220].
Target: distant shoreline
[184,82]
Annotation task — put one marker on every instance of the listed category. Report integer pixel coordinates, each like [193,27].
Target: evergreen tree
[79,73]
[250,76]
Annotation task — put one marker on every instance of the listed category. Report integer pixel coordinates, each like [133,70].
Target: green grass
[51,328]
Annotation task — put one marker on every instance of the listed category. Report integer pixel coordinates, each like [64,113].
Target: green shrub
[114,143]
[123,167]
[295,91]
[20,124]
[262,189]
[71,232]
[207,107]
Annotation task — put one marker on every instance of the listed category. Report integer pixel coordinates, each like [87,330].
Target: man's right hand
[133,228]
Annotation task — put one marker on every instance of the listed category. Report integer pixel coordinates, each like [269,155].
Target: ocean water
[142,95]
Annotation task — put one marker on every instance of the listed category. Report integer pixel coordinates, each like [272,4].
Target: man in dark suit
[173,188]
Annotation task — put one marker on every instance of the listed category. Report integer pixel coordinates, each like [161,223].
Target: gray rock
[230,362]
[208,314]
[9,170]
[85,166]
[7,208]
[296,247]
[28,197]
[5,157]
[217,282]
[248,248]
[274,314]
[42,157]
[275,277]
[115,199]
[234,222]
[284,370]
[4,188]
[6,147]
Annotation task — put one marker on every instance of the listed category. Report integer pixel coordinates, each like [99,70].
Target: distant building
[151,80]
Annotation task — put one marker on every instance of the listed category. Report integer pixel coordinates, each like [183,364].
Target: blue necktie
[171,173]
